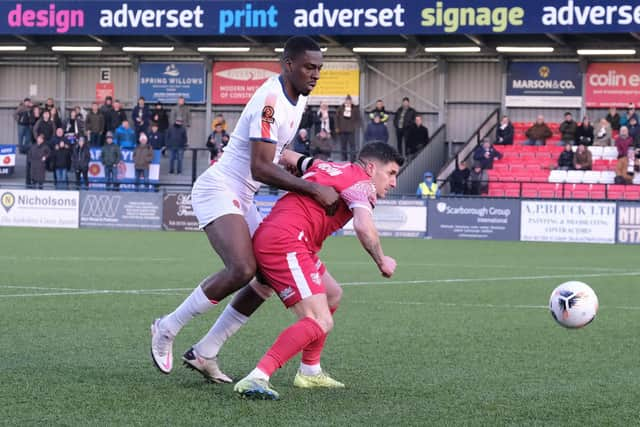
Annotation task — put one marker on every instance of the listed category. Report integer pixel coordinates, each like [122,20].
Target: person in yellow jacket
[428,189]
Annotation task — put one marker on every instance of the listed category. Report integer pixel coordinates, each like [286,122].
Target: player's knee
[242,271]
[325,322]
[334,297]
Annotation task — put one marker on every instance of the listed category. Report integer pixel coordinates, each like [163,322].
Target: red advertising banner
[613,84]
[235,82]
[103,90]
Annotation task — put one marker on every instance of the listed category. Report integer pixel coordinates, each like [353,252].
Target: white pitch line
[470,305]
[481,266]
[84,258]
[42,288]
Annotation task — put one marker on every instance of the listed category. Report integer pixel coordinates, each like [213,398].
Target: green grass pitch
[460,336]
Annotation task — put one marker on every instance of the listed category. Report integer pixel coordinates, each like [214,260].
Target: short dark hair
[298,45]
[406,98]
[381,151]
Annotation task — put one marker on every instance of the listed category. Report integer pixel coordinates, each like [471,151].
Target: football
[573,304]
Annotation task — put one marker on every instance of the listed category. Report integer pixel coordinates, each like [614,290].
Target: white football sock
[227,324]
[258,375]
[196,303]
[310,369]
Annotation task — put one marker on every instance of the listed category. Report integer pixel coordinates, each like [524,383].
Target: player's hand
[388,266]
[327,197]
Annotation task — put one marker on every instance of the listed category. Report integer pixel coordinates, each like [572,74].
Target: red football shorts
[293,272]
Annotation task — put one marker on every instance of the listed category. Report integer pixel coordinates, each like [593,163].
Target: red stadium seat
[495,192]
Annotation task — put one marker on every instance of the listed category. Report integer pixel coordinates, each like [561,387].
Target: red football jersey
[302,218]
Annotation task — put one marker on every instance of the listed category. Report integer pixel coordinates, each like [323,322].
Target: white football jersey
[270,116]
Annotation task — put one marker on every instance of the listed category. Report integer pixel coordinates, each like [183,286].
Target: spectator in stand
[214,142]
[321,146]
[306,122]
[94,126]
[140,116]
[376,131]
[582,160]
[634,129]
[602,134]
[323,120]
[428,188]
[613,118]
[36,114]
[584,133]
[478,180]
[568,128]
[80,158]
[118,115]
[22,116]
[142,158]
[44,126]
[459,179]
[347,123]
[176,142]
[80,115]
[73,125]
[404,117]
[55,117]
[417,137]
[625,119]
[538,133]
[301,143]
[219,119]
[504,134]
[106,110]
[110,158]
[181,112]
[565,161]
[49,104]
[156,138]
[125,137]
[626,167]
[623,141]
[56,139]
[380,111]
[61,162]
[485,154]
[160,117]
[37,157]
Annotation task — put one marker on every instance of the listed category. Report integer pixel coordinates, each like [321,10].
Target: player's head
[301,63]
[382,163]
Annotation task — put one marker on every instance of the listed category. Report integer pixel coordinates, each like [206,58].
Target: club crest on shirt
[267,114]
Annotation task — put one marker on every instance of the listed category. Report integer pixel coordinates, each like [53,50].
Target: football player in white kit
[222,199]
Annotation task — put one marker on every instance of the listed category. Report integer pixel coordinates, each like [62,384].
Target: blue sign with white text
[286,17]
[167,81]
[544,78]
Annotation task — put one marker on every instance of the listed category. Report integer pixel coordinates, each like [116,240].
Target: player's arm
[264,170]
[367,233]
[295,162]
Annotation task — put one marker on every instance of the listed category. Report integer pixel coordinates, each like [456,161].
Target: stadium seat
[615,192]
[500,166]
[550,191]
[597,192]
[636,178]
[600,165]
[558,176]
[596,152]
[607,177]
[610,153]
[591,177]
[631,195]
[575,177]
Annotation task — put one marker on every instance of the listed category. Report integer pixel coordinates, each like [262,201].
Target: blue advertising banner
[126,169]
[628,223]
[167,81]
[286,17]
[544,84]
[7,159]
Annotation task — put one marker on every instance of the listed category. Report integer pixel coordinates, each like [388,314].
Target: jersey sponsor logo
[267,114]
[236,203]
[100,206]
[315,278]
[286,293]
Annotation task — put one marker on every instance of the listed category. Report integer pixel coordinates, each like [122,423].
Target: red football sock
[289,343]
[311,353]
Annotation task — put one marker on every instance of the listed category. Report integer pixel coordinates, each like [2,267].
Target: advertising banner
[121,210]
[126,169]
[167,81]
[544,84]
[397,218]
[579,222]
[235,82]
[614,84]
[103,90]
[7,159]
[38,208]
[337,79]
[329,17]
[628,223]
[479,219]
[177,213]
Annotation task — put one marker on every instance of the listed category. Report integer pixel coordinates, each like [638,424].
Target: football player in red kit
[286,246]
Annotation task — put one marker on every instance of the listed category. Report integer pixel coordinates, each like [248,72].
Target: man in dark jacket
[61,162]
[565,161]
[159,116]
[459,179]
[504,134]
[22,117]
[156,138]
[37,158]
[347,123]
[417,136]
[176,142]
[80,158]
[485,154]
[105,110]
[44,126]
[142,158]
[568,128]
[538,133]
[94,125]
[140,116]
[110,157]
[405,116]
[301,143]
[376,131]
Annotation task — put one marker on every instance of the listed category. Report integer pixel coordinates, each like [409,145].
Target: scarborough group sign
[285,17]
